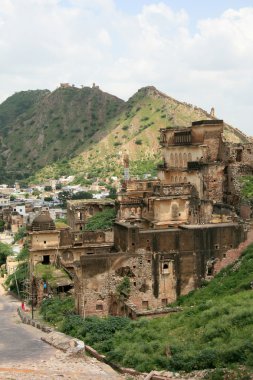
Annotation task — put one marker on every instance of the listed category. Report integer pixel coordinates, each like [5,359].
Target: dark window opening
[145,304]
[45,242]
[46,260]
[238,155]
[165,269]
[217,246]
[99,307]
[90,253]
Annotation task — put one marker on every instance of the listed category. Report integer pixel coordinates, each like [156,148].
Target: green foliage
[16,280]
[63,196]
[101,221]
[93,330]
[20,234]
[138,142]
[54,310]
[23,254]
[48,199]
[2,224]
[247,187]
[124,288]
[82,195]
[112,193]
[48,188]
[5,250]
[214,330]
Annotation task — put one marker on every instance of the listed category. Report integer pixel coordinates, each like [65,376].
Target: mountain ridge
[86,132]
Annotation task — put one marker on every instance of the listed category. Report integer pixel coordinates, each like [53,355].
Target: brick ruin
[169,234]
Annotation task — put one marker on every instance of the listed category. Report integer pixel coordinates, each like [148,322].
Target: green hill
[40,127]
[86,132]
[135,130]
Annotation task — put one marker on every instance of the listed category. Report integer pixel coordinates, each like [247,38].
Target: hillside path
[23,355]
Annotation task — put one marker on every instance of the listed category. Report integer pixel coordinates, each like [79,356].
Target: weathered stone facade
[79,211]
[169,234]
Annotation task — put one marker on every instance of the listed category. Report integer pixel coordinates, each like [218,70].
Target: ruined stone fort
[170,233]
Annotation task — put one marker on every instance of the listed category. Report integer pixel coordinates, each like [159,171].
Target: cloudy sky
[196,51]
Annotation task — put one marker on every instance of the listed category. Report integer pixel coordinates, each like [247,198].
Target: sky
[196,51]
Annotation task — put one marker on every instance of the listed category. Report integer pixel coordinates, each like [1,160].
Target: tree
[112,193]
[5,250]
[48,199]
[101,221]
[2,224]
[63,196]
[36,193]
[20,234]
[82,195]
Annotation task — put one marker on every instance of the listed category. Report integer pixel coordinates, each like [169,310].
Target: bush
[101,221]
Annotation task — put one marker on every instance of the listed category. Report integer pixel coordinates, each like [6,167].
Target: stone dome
[43,222]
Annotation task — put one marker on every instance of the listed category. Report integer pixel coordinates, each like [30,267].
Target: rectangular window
[164,302]
[99,307]
[145,304]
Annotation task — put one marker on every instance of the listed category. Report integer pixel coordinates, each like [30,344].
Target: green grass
[214,330]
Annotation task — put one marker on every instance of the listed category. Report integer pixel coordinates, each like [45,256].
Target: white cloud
[45,42]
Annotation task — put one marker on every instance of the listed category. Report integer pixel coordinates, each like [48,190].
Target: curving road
[23,355]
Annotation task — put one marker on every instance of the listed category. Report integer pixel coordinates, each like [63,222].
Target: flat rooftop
[210,225]
[77,202]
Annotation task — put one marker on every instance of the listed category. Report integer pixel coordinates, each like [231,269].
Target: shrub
[101,221]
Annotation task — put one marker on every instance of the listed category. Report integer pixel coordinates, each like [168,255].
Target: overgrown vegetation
[95,331]
[5,250]
[103,220]
[16,281]
[20,234]
[214,330]
[247,187]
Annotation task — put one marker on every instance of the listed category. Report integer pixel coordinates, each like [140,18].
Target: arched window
[165,268]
